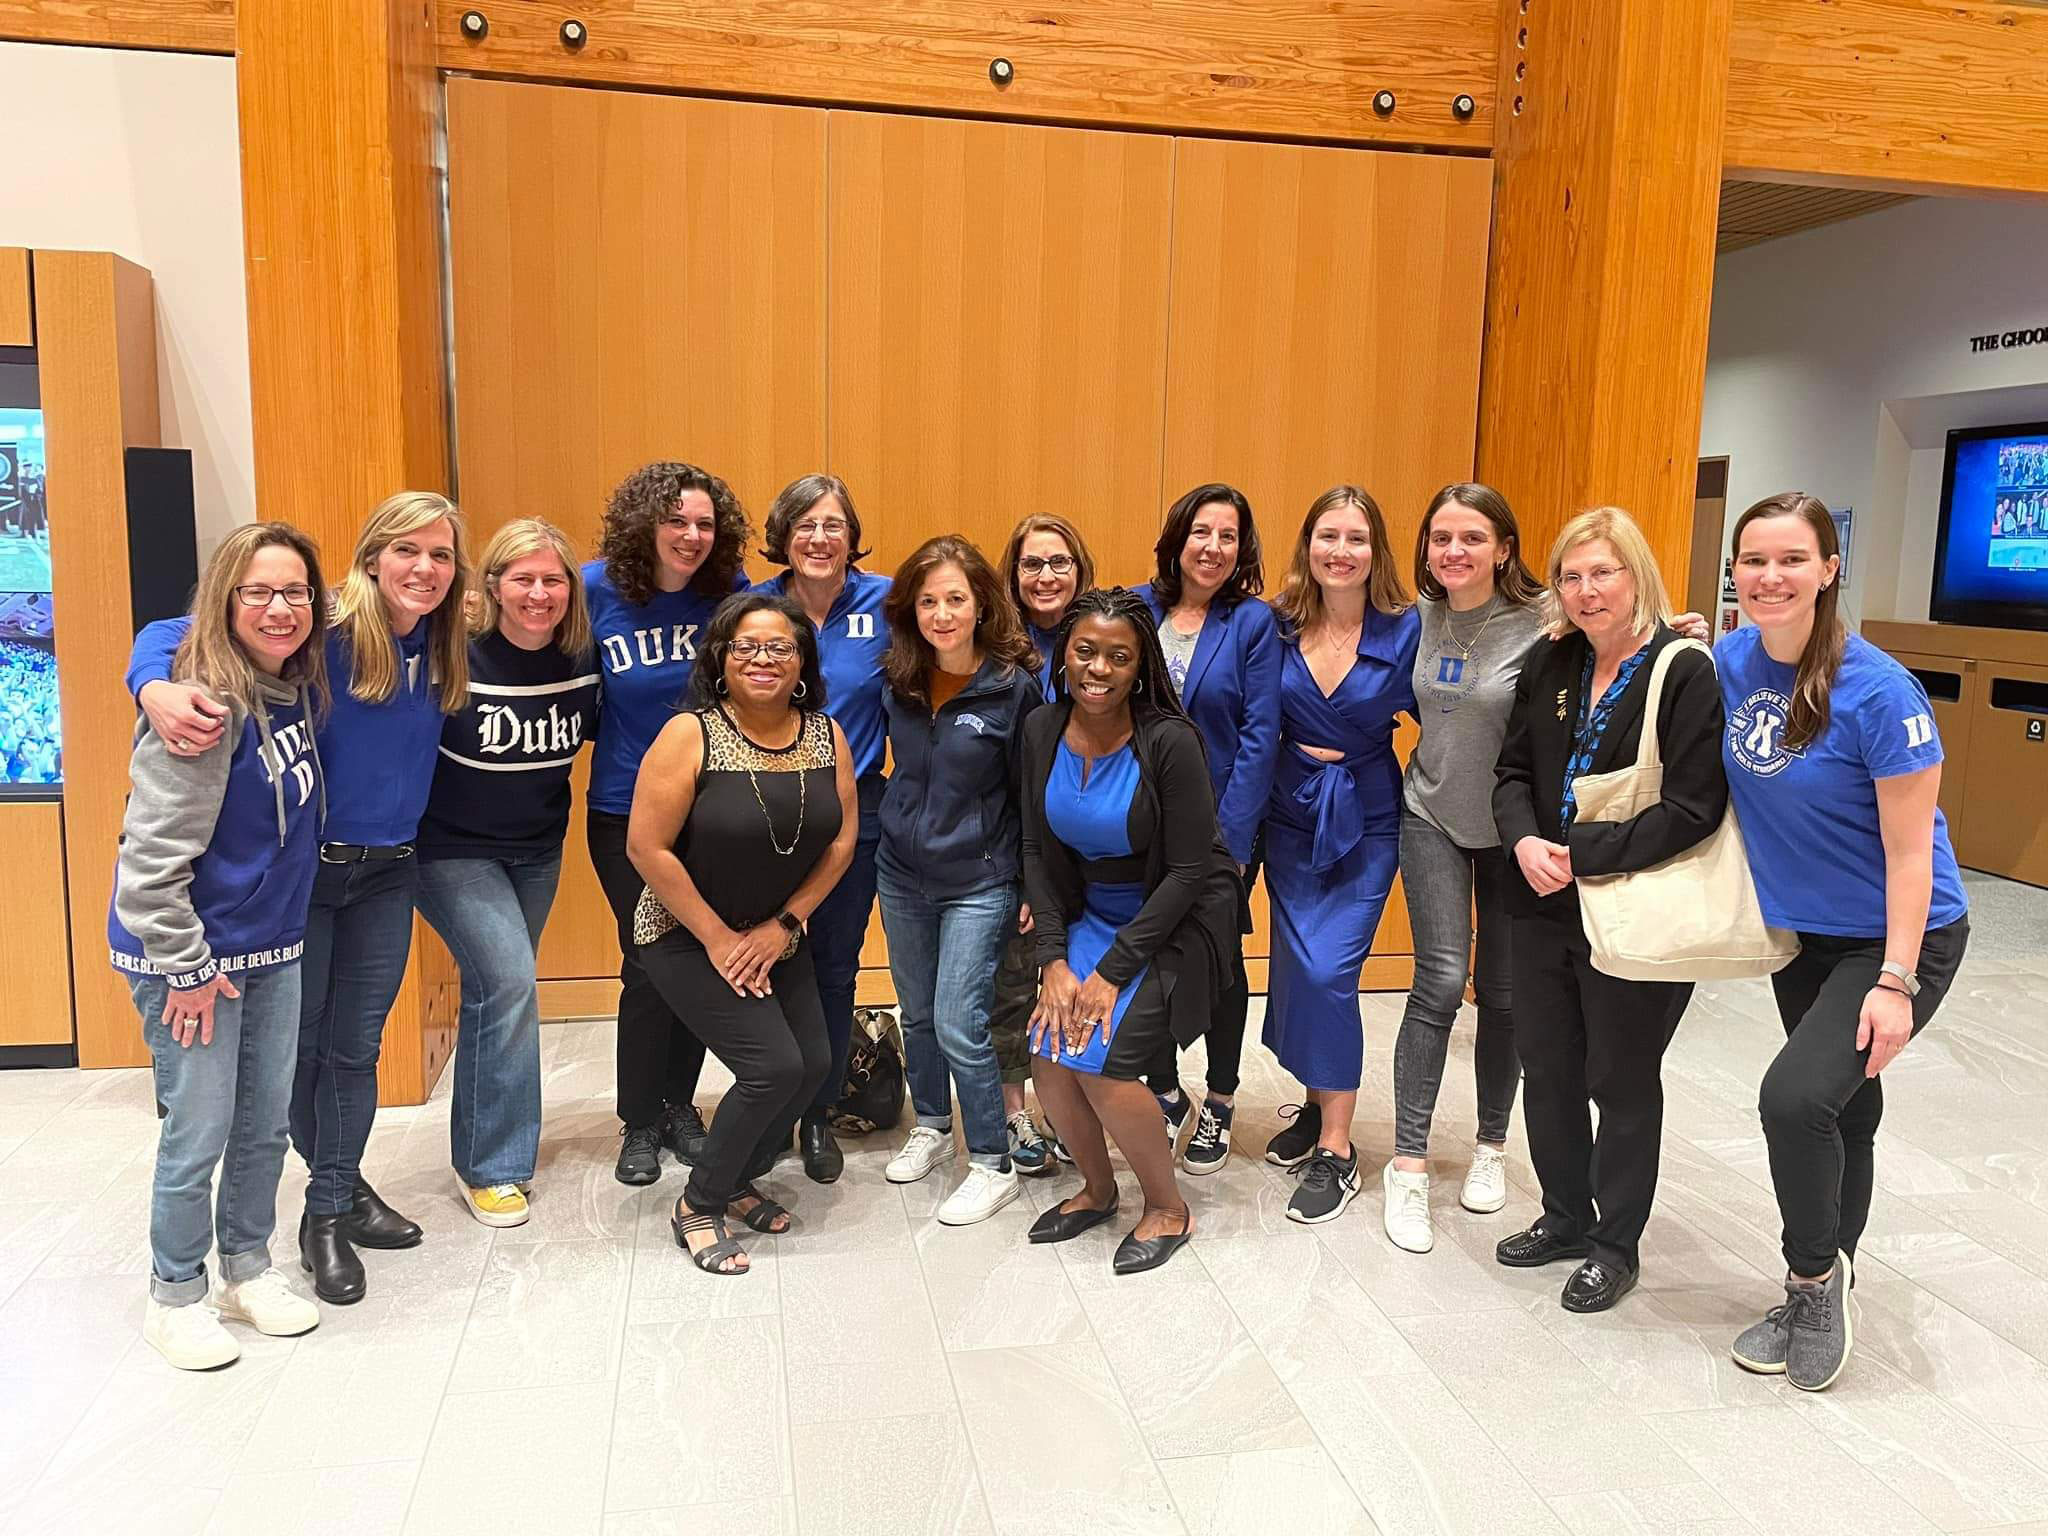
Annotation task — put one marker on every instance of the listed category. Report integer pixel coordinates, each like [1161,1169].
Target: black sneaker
[640,1157]
[1209,1148]
[683,1133]
[1175,1113]
[1328,1184]
[1292,1146]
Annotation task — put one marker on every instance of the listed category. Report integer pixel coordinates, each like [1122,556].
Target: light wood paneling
[1954,720]
[998,329]
[1907,95]
[1297,68]
[190,26]
[35,942]
[1755,211]
[96,322]
[1601,271]
[17,314]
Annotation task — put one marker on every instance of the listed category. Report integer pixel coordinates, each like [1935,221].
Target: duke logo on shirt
[980,725]
[285,757]
[650,647]
[1919,731]
[1756,733]
[1450,669]
[860,626]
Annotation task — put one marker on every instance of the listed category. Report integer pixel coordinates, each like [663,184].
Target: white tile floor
[879,1373]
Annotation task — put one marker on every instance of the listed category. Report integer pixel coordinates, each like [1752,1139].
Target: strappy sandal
[712,1258]
[763,1215]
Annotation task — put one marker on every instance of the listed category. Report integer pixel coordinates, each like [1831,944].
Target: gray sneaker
[1819,1336]
[1761,1346]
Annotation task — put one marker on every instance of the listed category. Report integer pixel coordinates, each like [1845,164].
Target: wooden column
[340,117]
[1607,177]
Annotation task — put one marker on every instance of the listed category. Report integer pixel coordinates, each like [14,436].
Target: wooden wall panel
[35,941]
[17,313]
[1295,68]
[190,26]
[1909,95]
[998,329]
[96,322]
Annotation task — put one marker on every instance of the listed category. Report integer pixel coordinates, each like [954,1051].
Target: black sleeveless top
[761,820]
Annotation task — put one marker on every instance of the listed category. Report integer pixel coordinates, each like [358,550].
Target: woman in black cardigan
[1134,898]
[1578,710]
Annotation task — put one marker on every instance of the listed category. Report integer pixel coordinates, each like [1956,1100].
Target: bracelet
[1879,986]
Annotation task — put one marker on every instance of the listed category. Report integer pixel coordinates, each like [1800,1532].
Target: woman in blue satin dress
[1333,825]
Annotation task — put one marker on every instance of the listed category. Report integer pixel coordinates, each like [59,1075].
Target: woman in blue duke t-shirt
[1834,765]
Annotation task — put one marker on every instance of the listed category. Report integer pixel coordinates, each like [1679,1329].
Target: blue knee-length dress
[1332,847]
[1088,808]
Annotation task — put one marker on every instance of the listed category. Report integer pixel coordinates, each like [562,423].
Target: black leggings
[776,1047]
[1820,1112]
[659,1059]
[1225,1035]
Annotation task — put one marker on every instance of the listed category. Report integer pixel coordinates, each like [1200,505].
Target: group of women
[1084,785]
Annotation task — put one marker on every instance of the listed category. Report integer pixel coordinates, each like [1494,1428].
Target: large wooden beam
[1288,68]
[1908,95]
[340,107]
[189,26]
[1602,266]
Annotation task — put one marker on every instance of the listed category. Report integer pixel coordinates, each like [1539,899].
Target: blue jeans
[837,930]
[490,913]
[358,937]
[223,1106]
[943,956]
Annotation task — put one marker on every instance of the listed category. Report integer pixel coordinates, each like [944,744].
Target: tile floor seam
[952,1375]
[604,1493]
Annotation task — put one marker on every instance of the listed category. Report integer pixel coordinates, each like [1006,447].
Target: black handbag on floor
[873,1096]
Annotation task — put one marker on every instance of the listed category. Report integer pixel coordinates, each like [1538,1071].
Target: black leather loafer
[1595,1286]
[1535,1248]
[325,1254]
[823,1161]
[1134,1257]
[373,1224]
[1058,1226]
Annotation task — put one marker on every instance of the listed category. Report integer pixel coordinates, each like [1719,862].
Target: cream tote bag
[1694,917]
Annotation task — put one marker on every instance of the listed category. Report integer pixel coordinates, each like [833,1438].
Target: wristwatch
[791,922]
[1906,978]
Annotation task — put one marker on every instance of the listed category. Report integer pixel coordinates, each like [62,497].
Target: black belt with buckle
[358,853]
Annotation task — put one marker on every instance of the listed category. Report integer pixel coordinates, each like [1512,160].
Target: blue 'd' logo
[1450,669]
[1756,733]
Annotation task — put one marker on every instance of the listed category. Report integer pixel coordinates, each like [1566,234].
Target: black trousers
[1225,1035]
[1820,1112]
[659,1058]
[1586,1036]
[776,1046]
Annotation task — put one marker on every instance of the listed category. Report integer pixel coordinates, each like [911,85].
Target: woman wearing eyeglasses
[814,530]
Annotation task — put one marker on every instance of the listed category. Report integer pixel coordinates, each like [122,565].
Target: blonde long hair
[1300,603]
[212,657]
[359,610]
[1653,602]
[515,541]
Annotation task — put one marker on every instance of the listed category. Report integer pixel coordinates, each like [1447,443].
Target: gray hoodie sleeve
[169,823]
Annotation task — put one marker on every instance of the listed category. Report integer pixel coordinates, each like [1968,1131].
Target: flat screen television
[31,731]
[1991,545]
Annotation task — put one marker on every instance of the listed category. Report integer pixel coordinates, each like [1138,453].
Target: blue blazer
[1233,696]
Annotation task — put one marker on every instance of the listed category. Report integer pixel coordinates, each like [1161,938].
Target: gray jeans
[1441,880]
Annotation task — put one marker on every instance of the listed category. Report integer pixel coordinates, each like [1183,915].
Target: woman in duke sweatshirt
[207,923]
[490,845]
[399,660]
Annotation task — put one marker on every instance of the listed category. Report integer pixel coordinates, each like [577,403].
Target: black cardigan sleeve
[1187,828]
[1695,782]
[1048,864]
[1514,791]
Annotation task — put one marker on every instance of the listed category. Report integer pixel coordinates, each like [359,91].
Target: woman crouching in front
[1134,899]
[744,818]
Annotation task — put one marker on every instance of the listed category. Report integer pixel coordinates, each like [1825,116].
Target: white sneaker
[981,1194]
[190,1337]
[1486,1181]
[925,1150]
[268,1304]
[1407,1209]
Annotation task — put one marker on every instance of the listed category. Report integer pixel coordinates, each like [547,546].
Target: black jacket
[1187,927]
[1529,776]
[949,816]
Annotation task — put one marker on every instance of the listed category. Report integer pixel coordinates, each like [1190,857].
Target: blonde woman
[398,655]
[209,916]
[490,845]
[1584,1035]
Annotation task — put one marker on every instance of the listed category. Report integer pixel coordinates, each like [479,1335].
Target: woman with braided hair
[1134,899]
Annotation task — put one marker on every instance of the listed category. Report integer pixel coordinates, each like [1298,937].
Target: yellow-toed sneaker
[495,1205]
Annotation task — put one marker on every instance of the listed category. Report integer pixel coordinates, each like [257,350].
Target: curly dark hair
[642,499]
[797,498]
[1155,690]
[998,629]
[1247,580]
[709,670]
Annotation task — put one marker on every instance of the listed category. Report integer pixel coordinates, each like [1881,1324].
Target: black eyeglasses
[1033,565]
[256,595]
